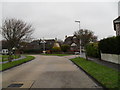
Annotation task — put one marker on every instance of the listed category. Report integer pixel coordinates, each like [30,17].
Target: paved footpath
[48,72]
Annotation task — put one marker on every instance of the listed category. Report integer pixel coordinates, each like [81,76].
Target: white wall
[111,58]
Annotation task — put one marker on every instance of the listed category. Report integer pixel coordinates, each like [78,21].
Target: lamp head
[77,21]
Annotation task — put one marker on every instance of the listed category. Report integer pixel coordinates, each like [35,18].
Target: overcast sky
[57,19]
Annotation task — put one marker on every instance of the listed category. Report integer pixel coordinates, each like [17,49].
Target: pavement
[103,62]
[48,72]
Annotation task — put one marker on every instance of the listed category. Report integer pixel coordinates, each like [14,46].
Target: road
[48,72]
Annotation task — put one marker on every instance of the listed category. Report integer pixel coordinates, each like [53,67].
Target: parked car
[77,53]
[4,52]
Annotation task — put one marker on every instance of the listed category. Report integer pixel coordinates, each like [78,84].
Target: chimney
[65,36]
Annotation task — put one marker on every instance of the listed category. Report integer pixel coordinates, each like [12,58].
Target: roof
[117,20]
[49,39]
[73,44]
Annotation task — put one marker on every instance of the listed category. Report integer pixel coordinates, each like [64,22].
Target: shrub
[92,50]
[65,47]
[110,45]
[56,49]
[31,51]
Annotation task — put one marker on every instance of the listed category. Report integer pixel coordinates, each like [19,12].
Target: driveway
[48,72]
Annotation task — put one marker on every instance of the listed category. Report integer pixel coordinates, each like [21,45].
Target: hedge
[65,47]
[110,45]
[92,50]
[31,51]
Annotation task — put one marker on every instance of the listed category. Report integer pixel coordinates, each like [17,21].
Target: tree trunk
[10,56]
[86,55]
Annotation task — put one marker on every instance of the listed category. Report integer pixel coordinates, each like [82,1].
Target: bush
[65,48]
[110,45]
[56,49]
[92,50]
[31,51]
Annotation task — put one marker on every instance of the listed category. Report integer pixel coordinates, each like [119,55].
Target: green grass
[110,78]
[5,57]
[57,54]
[14,63]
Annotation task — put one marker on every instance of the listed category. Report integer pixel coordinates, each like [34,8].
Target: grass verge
[5,57]
[106,76]
[15,63]
[57,54]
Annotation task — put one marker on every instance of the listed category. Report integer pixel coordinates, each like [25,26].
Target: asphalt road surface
[48,72]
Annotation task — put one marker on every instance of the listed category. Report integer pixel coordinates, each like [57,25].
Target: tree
[4,44]
[15,31]
[86,36]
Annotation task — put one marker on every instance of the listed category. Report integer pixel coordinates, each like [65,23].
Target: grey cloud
[52,19]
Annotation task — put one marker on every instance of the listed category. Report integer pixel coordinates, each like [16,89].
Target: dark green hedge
[32,51]
[92,50]
[110,45]
[65,47]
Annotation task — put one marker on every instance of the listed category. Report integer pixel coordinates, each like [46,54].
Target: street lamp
[79,38]
[43,41]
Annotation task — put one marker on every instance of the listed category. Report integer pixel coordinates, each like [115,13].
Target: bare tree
[15,31]
[86,36]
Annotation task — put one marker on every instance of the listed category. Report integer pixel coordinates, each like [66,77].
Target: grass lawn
[5,57]
[14,63]
[57,54]
[110,78]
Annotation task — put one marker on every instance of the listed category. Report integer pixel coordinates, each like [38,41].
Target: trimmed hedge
[32,51]
[65,48]
[92,50]
[110,45]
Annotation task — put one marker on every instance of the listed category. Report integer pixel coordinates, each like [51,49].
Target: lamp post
[43,41]
[79,38]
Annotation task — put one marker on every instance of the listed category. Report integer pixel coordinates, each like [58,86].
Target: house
[74,47]
[38,46]
[73,42]
[49,44]
[116,23]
